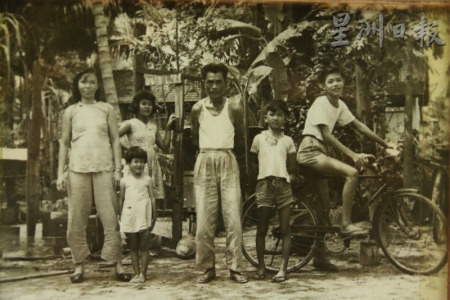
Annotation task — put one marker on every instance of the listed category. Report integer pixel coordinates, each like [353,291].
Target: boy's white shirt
[323,113]
[272,154]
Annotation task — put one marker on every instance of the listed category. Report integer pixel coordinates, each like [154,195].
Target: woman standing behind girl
[138,210]
[141,132]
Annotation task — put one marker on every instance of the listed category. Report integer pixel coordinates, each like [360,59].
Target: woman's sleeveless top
[90,149]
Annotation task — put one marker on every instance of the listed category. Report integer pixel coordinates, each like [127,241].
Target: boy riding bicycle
[327,111]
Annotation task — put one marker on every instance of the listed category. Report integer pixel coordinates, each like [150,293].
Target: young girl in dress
[138,211]
[143,133]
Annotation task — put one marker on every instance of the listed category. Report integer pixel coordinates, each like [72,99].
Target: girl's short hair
[331,70]
[76,96]
[143,95]
[275,105]
[135,152]
[215,68]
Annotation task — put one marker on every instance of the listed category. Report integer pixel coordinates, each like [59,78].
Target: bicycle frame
[388,222]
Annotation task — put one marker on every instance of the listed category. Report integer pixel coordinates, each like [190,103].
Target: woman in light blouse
[89,129]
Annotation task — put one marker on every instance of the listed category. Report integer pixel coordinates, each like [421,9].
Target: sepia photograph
[224,149]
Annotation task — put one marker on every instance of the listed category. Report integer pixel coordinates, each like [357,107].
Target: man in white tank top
[217,125]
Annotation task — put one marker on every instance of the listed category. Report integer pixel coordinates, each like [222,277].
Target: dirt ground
[173,278]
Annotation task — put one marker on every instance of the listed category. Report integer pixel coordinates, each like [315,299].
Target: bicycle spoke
[275,251]
[411,233]
[303,242]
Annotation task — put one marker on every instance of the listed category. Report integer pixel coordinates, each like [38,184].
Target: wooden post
[408,155]
[244,181]
[33,190]
[363,109]
[177,207]
[139,80]
[139,62]
[52,125]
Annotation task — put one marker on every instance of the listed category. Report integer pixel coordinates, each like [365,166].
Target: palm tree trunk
[33,190]
[278,77]
[104,56]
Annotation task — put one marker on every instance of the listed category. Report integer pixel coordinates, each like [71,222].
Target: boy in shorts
[327,111]
[277,164]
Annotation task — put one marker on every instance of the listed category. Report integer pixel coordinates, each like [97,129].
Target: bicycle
[440,188]
[409,228]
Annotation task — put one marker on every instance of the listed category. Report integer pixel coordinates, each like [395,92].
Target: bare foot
[119,268]
[259,274]
[79,269]
[141,278]
[280,277]
[209,275]
[238,277]
[78,274]
[134,279]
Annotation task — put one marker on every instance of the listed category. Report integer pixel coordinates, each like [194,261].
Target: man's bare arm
[253,170]
[238,120]
[195,113]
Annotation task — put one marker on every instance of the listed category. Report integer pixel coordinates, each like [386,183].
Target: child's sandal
[124,277]
[279,278]
[77,278]
[258,276]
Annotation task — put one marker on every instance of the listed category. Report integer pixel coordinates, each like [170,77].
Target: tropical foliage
[272,51]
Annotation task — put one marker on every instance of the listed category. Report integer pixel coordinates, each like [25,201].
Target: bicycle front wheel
[412,233]
[303,239]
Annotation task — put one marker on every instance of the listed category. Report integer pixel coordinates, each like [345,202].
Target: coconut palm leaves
[12,42]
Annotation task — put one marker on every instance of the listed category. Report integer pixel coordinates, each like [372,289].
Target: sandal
[209,275]
[124,277]
[77,278]
[279,278]
[238,277]
[258,276]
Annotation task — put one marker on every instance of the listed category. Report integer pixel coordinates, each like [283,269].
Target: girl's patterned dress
[144,136]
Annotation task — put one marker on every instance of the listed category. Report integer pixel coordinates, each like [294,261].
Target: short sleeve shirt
[323,113]
[90,148]
[272,154]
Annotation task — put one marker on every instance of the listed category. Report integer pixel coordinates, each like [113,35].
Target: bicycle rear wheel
[412,233]
[303,240]
[439,196]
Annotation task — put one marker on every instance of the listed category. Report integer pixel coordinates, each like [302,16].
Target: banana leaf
[279,40]
[255,76]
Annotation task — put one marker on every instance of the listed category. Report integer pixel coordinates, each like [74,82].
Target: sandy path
[172,278]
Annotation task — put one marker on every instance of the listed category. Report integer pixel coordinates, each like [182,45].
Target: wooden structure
[13,167]
[395,109]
